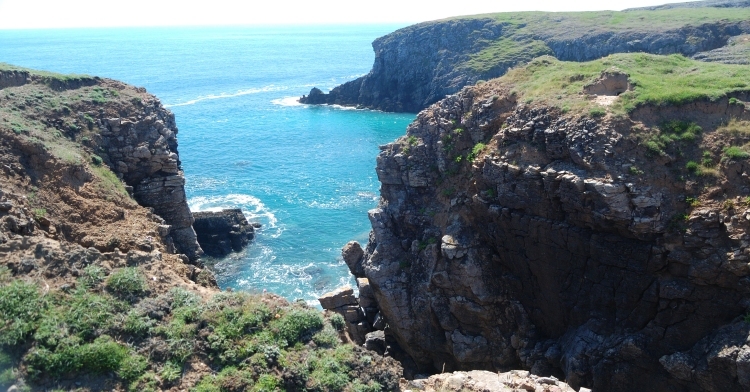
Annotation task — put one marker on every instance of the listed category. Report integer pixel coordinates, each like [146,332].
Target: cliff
[584,220]
[99,288]
[421,64]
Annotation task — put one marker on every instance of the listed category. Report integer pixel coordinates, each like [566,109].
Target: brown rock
[352,254]
[340,297]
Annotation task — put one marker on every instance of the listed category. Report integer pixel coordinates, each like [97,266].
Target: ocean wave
[287,101]
[253,209]
[240,93]
[339,107]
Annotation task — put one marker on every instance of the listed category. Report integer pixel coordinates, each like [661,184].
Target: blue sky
[19,14]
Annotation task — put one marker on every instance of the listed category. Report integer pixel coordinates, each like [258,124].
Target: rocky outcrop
[13,78]
[143,151]
[481,381]
[222,232]
[343,302]
[736,51]
[514,236]
[421,64]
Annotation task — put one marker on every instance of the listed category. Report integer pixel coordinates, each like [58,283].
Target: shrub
[692,166]
[89,121]
[735,101]
[96,160]
[635,171]
[298,325]
[266,383]
[372,386]
[328,374]
[7,373]
[7,377]
[735,152]
[40,213]
[171,372]
[597,112]
[478,148]
[681,130]
[181,297]
[101,356]
[132,367]
[92,276]
[328,337]
[138,324]
[337,321]
[91,314]
[126,281]
[653,147]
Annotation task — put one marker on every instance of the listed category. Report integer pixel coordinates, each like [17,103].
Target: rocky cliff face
[513,235]
[143,150]
[419,65]
[113,124]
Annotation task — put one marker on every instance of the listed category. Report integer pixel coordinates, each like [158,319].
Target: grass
[47,77]
[736,153]
[735,128]
[657,80]
[475,151]
[109,182]
[671,135]
[505,53]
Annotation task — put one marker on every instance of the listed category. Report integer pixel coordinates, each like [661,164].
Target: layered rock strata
[143,151]
[223,232]
[564,246]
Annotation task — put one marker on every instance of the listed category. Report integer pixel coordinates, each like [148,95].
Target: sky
[25,14]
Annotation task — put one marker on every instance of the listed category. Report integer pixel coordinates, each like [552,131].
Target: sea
[305,173]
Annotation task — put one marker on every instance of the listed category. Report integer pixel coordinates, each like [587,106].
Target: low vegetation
[108,325]
[656,80]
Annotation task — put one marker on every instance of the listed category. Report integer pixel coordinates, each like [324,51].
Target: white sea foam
[339,107]
[251,206]
[287,101]
[228,95]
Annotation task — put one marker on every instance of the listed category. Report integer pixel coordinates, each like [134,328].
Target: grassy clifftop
[653,79]
[526,34]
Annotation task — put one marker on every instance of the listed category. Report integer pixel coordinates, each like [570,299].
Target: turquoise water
[305,173]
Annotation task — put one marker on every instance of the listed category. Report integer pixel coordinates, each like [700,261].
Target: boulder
[338,298]
[223,232]
[366,295]
[353,255]
[375,341]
